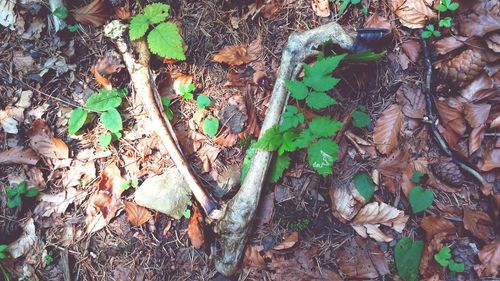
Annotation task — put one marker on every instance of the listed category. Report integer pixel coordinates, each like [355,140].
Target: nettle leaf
[211,126]
[32,192]
[281,163]
[203,101]
[112,120]
[156,12]
[324,67]
[76,120]
[364,185]
[138,26]
[271,140]
[407,255]
[288,144]
[321,156]
[247,161]
[319,100]
[165,41]
[360,119]
[105,100]
[304,139]
[420,199]
[105,139]
[443,256]
[291,118]
[323,126]
[321,83]
[297,89]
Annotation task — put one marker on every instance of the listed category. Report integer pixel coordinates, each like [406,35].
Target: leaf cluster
[104,103]
[15,194]
[3,251]
[345,4]
[443,257]
[444,6]
[164,39]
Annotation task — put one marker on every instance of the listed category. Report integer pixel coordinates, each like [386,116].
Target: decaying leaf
[136,215]
[476,138]
[19,155]
[451,117]
[103,81]
[376,21]
[481,84]
[479,224]
[394,164]
[253,258]
[476,114]
[233,55]
[195,231]
[490,260]
[344,204]
[412,99]
[448,44]
[433,225]
[107,198]
[484,17]
[371,216]
[412,50]
[414,13]
[362,259]
[321,7]
[27,240]
[58,203]
[43,141]
[386,131]
[108,65]
[94,13]
[122,13]
[289,241]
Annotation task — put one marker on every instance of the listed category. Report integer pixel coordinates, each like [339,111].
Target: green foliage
[364,185]
[282,162]
[112,120]
[416,177]
[130,183]
[360,119]
[446,22]
[364,56]
[321,156]
[211,126]
[443,257]
[3,251]
[319,100]
[105,139]
[247,160]
[447,5]
[73,27]
[345,4]
[301,224]
[186,213]
[420,199]
[61,12]
[430,31]
[291,118]
[407,255]
[271,140]
[288,142]
[297,89]
[323,126]
[48,259]
[105,100]
[15,194]
[166,108]
[164,39]
[203,102]
[77,120]
[186,90]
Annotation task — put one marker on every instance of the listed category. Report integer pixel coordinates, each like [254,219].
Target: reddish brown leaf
[386,131]
[107,199]
[451,118]
[433,225]
[361,258]
[476,114]
[226,138]
[137,215]
[101,80]
[94,13]
[491,158]
[321,7]
[412,50]
[479,224]
[490,260]
[19,155]
[412,14]
[233,55]
[448,44]
[122,13]
[43,141]
[428,266]
[253,258]
[476,138]
[482,82]
[376,21]
[484,17]
[394,164]
[195,228]
[412,100]
[108,65]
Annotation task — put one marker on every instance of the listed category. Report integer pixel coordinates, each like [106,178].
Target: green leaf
[76,120]
[138,27]
[156,12]
[281,163]
[14,202]
[355,2]
[125,185]
[436,33]
[165,101]
[32,192]
[165,41]
[443,256]
[105,100]
[407,255]
[426,34]
[116,135]
[321,156]
[319,100]
[420,199]
[105,139]
[453,6]
[446,22]
[324,67]
[271,140]
[364,56]
[186,90]
[61,12]
[73,27]
[304,140]
[441,8]
[2,256]
[343,6]
[112,120]
[21,187]
[365,185]
[291,118]
[430,27]
[456,267]
[3,248]
[187,213]
[247,161]
[321,83]
[11,192]
[203,102]
[323,126]
[134,183]
[360,119]
[211,126]
[288,144]
[297,89]
[166,108]
[416,177]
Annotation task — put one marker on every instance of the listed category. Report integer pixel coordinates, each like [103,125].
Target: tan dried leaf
[476,114]
[321,7]
[43,141]
[94,13]
[484,17]
[108,65]
[394,164]
[19,155]
[195,231]
[289,241]
[101,80]
[490,260]
[412,99]
[344,204]
[136,215]
[433,225]
[371,216]
[414,13]
[387,127]
[58,203]
[122,13]
[362,259]
[233,55]
[476,138]
[451,117]
[448,44]
[376,21]
[479,224]
[412,50]
[253,258]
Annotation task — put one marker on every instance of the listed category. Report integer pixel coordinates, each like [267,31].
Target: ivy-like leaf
[165,41]
[420,199]
[297,89]
[320,100]
[76,120]
[211,126]
[112,120]
[323,126]
[407,255]
[138,26]
[321,156]
[281,163]
[105,139]
[105,100]
[203,101]
[156,12]
[291,118]
[271,140]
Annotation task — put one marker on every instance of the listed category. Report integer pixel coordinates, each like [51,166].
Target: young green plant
[443,257]
[210,124]
[15,194]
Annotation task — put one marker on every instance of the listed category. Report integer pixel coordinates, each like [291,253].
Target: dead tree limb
[144,87]
[234,226]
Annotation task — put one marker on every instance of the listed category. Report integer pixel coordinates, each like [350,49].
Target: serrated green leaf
[407,255]
[443,256]
[211,126]
[138,27]
[61,12]
[420,199]
[321,83]
[104,100]
[360,119]
[76,120]
[105,139]
[203,101]
[32,192]
[14,202]
[281,163]
[156,12]
[456,267]
[416,176]
[319,100]
[323,126]
[291,118]
[305,139]
[247,161]
[297,89]
[271,140]
[364,185]
[453,6]
[288,144]
[165,41]
[364,56]
[11,192]
[324,67]
[321,156]
[112,120]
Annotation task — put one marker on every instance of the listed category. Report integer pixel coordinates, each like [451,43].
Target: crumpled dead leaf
[233,55]
[386,131]
[433,225]
[371,216]
[345,205]
[490,260]
[136,215]
[451,117]
[23,245]
[58,203]
[253,258]
[412,99]
[195,230]
[413,14]
[94,13]
[321,7]
[19,155]
[107,198]
[484,17]
[289,241]
[448,44]
[43,141]
[476,114]
[412,50]
[479,224]
[476,138]
[362,259]
[376,21]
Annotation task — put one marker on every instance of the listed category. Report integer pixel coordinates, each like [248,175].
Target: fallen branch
[234,226]
[144,87]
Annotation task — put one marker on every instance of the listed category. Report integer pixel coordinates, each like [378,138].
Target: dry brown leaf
[253,258]
[412,49]
[226,138]
[195,228]
[476,114]
[19,155]
[490,260]
[361,259]
[122,13]
[451,117]
[394,164]
[448,44]
[136,215]
[101,80]
[376,21]
[344,204]
[433,225]
[482,82]
[386,131]
[43,141]
[484,17]
[107,199]
[265,209]
[289,241]
[371,216]
[94,13]
[59,203]
[233,55]
[412,99]
[476,138]
[428,265]
[479,224]
[491,157]
[321,7]
[108,65]
[414,13]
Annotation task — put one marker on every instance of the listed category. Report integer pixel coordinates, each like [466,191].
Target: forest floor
[391,207]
